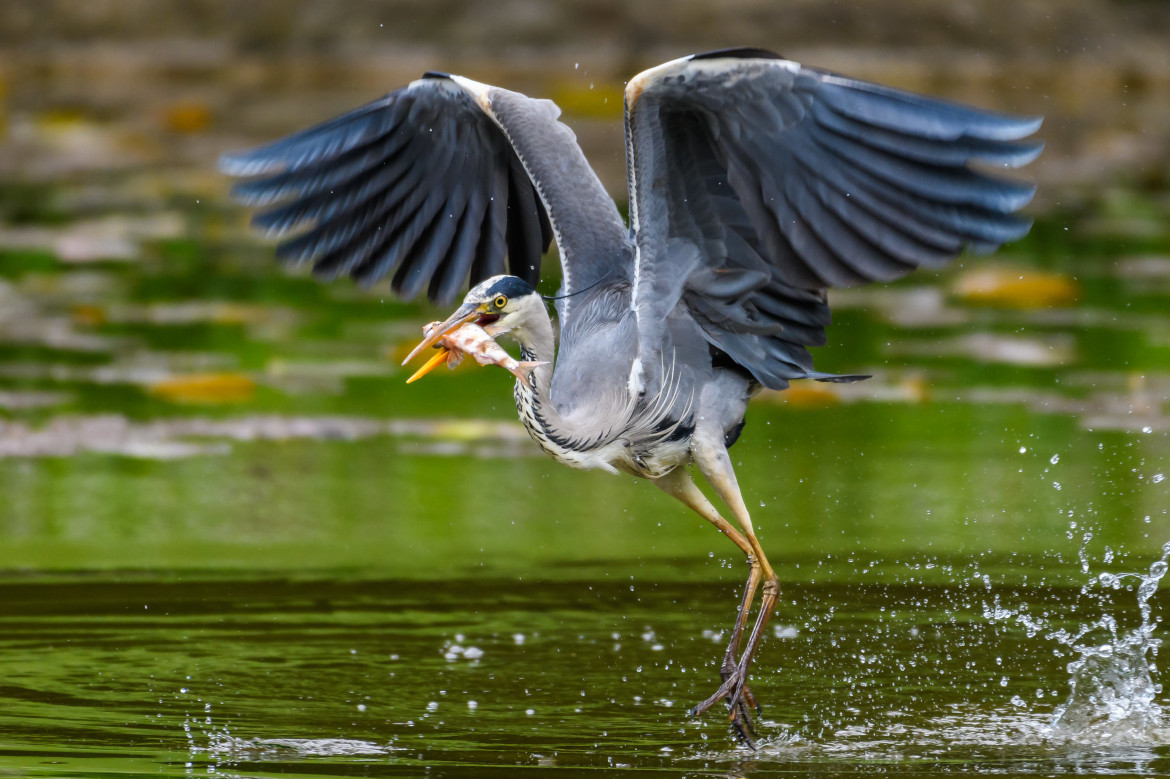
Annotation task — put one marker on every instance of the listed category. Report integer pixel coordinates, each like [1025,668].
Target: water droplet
[1054,459]
[1158,478]
[1023,450]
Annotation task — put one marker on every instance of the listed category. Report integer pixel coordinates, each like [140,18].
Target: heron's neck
[534,393]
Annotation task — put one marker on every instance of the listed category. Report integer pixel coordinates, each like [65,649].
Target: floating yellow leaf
[187,116]
[1017,288]
[61,119]
[810,394]
[237,314]
[205,388]
[88,314]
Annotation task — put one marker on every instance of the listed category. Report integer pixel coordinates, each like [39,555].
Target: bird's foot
[734,691]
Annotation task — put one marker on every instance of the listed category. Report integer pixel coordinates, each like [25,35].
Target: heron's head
[501,304]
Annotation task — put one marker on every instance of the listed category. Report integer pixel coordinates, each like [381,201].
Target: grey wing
[779,181]
[424,185]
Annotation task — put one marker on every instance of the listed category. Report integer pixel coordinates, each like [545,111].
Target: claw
[745,717]
[751,701]
[745,735]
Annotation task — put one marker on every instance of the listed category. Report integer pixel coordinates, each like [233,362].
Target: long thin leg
[715,465]
[678,484]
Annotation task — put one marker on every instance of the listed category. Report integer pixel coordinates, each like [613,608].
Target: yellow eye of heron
[500,302]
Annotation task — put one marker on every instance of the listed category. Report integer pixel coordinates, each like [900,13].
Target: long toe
[743,714]
[734,691]
[723,691]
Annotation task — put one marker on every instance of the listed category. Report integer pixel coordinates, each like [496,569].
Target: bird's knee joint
[771,585]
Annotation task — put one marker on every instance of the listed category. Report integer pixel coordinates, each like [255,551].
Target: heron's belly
[621,454]
[613,456]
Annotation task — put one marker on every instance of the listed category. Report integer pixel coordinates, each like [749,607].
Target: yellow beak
[465,313]
[439,358]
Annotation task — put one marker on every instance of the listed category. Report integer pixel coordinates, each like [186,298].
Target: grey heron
[755,184]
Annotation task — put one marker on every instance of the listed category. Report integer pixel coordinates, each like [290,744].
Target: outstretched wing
[433,185]
[762,183]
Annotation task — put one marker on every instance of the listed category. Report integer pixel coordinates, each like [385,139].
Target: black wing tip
[245,163]
[227,162]
[846,378]
[1028,125]
[1017,154]
[1005,126]
[738,52]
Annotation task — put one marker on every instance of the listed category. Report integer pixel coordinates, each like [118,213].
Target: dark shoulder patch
[740,53]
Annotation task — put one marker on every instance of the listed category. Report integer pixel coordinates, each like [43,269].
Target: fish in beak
[435,332]
[468,331]
[464,314]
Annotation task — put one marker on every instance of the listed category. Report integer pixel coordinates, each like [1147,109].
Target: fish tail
[523,370]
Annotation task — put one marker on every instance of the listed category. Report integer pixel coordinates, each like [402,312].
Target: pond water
[234,543]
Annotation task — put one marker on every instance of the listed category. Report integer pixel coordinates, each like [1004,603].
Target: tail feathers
[834,378]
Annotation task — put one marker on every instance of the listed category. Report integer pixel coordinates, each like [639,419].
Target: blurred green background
[214,483]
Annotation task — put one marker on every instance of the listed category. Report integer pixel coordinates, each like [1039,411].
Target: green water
[336,574]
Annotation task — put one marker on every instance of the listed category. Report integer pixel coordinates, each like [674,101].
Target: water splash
[212,747]
[1112,688]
